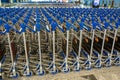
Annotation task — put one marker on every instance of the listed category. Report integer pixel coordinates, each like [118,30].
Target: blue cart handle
[8,28]
[117,24]
[54,26]
[107,25]
[23,28]
[38,26]
[69,26]
[81,25]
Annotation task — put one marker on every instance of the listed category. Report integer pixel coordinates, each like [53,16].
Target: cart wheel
[16,76]
[98,66]
[108,65]
[41,74]
[77,69]
[88,68]
[54,72]
[28,75]
[66,70]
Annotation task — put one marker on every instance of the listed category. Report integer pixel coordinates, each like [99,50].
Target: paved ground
[112,73]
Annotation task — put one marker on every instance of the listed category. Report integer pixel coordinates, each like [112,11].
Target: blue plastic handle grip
[106,25]
[117,23]
[73,20]
[8,28]
[26,21]
[54,25]
[23,27]
[81,25]
[83,19]
[61,20]
[37,20]
[38,26]
[14,21]
[68,25]
[94,24]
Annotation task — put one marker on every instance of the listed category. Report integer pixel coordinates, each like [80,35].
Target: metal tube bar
[103,43]
[40,62]
[91,50]
[67,49]
[26,54]
[11,53]
[113,44]
[54,50]
[80,43]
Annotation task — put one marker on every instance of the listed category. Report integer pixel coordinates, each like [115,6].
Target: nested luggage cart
[37,41]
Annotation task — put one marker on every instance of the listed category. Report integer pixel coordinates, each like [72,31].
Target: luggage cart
[53,25]
[52,40]
[13,72]
[38,27]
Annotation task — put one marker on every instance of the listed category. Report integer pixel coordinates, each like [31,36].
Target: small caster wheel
[14,76]
[99,67]
[88,68]
[54,72]
[77,69]
[41,74]
[66,70]
[28,75]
